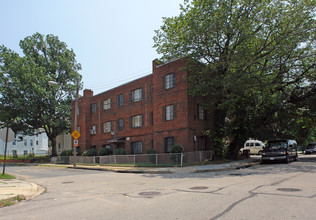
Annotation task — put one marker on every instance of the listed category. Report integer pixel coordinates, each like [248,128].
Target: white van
[254,147]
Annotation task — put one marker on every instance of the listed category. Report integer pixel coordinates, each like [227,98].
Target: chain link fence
[140,159]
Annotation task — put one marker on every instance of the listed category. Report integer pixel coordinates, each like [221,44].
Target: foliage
[119,151]
[253,61]
[66,153]
[105,151]
[27,101]
[175,153]
[90,152]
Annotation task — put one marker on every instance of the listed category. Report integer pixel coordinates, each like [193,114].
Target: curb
[13,198]
[233,167]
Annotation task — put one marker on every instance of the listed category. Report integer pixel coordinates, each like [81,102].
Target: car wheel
[295,158]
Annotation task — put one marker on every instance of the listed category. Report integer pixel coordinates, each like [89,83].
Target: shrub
[175,153]
[105,151]
[152,158]
[66,153]
[90,152]
[31,155]
[120,151]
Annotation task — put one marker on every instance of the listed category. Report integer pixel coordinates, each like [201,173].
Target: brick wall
[157,99]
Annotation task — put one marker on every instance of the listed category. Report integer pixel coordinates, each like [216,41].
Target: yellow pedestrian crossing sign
[75,134]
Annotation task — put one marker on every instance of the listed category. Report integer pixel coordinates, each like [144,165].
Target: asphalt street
[268,191]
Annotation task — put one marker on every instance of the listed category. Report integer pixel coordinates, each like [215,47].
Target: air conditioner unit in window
[93,131]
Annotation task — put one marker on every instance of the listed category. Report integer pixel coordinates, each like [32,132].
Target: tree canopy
[27,98]
[254,60]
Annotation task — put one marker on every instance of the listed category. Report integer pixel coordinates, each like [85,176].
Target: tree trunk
[54,151]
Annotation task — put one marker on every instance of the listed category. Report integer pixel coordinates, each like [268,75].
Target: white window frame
[169,81]
[93,129]
[137,95]
[201,113]
[137,121]
[169,112]
[107,127]
[107,104]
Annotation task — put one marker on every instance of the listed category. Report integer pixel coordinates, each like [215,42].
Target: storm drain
[149,193]
[289,189]
[199,187]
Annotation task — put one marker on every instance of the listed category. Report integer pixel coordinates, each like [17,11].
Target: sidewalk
[12,189]
[172,170]
[16,190]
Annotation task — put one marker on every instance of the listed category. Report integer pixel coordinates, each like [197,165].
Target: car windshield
[311,146]
[276,145]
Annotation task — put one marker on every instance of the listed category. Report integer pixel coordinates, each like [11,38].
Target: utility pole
[75,128]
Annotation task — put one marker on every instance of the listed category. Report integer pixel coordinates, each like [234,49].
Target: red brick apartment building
[154,111]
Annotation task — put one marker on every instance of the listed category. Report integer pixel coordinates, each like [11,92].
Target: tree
[25,88]
[246,57]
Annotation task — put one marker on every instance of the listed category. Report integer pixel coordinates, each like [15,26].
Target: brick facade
[156,110]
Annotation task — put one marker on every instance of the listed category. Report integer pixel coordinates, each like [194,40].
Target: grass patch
[6,176]
[12,201]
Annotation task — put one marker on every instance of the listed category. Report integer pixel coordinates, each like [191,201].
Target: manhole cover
[235,174]
[199,187]
[289,189]
[149,193]
[67,182]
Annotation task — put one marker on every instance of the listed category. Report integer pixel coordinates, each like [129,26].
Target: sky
[112,40]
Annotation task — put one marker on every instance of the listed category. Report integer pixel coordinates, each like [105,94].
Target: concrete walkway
[15,189]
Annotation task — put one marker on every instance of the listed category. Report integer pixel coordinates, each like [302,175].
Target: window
[14,142]
[25,142]
[169,81]
[137,147]
[137,95]
[169,142]
[107,127]
[120,100]
[78,129]
[36,142]
[78,110]
[120,124]
[59,146]
[31,142]
[150,90]
[25,152]
[137,121]
[201,112]
[201,143]
[93,108]
[151,118]
[93,129]
[169,112]
[107,104]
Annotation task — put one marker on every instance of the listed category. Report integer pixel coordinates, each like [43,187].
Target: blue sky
[113,40]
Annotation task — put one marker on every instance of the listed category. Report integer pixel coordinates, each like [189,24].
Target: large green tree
[27,95]
[248,58]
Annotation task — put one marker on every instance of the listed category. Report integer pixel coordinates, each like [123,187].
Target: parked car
[311,148]
[280,150]
[253,146]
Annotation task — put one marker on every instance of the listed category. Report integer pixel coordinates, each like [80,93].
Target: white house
[24,145]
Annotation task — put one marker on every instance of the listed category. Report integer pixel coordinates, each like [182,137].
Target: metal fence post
[181,159]
[156,159]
